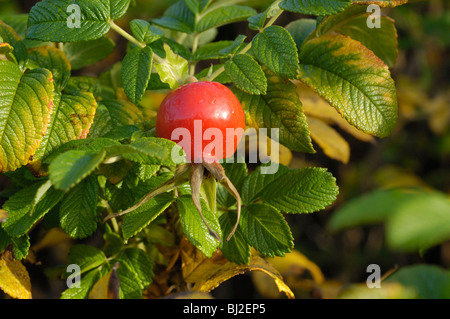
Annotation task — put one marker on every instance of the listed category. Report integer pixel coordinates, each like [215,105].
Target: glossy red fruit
[205,118]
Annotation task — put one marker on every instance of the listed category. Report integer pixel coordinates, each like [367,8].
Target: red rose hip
[204,118]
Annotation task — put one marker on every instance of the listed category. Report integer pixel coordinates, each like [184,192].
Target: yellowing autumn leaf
[207,273]
[330,141]
[294,263]
[267,149]
[391,176]
[54,236]
[3,215]
[107,287]
[439,110]
[315,106]
[296,270]
[14,278]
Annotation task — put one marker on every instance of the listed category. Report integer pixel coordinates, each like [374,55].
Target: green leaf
[419,223]
[113,243]
[158,47]
[381,3]
[122,112]
[54,60]
[197,6]
[300,29]
[86,257]
[147,171]
[353,80]
[223,15]
[315,7]
[177,17]
[24,210]
[137,220]
[136,71]
[20,245]
[20,51]
[257,21]
[144,32]
[237,45]
[246,74]
[429,281]
[16,21]
[49,20]
[280,109]
[25,112]
[353,23]
[236,250]
[84,53]
[372,208]
[61,21]
[91,145]
[173,69]
[265,229]
[275,48]
[135,272]
[71,119]
[77,213]
[83,83]
[256,182]
[194,228]
[206,72]
[89,259]
[147,150]
[211,51]
[303,190]
[69,168]
[86,283]
[117,7]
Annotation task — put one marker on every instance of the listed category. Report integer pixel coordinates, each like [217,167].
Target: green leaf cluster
[415,220]
[78,148]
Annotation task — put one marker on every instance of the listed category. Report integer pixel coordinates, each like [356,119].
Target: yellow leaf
[391,290]
[391,176]
[208,273]
[107,287]
[439,119]
[411,98]
[294,263]
[315,106]
[54,236]
[3,215]
[152,100]
[331,142]
[189,295]
[14,278]
[293,267]
[265,148]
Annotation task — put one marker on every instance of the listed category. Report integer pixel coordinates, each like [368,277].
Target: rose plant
[86,155]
